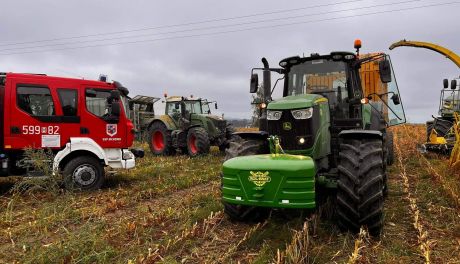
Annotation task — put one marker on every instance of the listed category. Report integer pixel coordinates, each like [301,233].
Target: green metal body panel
[294,102]
[278,181]
[209,123]
[203,120]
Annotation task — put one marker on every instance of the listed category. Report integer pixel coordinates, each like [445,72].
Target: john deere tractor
[326,136]
[189,126]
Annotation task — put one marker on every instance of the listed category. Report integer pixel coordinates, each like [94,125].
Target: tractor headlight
[302,113]
[274,115]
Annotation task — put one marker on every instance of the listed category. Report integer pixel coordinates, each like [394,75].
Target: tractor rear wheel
[160,141]
[441,126]
[197,142]
[83,173]
[244,147]
[360,185]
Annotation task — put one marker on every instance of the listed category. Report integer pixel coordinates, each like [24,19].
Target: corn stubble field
[168,210]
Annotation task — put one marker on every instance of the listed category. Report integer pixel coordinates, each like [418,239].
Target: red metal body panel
[22,130]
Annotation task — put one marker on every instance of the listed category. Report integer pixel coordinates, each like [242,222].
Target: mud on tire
[197,142]
[360,185]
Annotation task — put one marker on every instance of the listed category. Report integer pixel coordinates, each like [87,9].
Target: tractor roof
[143,99]
[181,98]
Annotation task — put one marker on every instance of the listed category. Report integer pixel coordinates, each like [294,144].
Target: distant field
[168,210]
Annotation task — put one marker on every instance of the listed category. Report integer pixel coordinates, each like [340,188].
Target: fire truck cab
[82,122]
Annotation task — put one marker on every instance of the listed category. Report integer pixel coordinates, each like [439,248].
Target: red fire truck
[83,122]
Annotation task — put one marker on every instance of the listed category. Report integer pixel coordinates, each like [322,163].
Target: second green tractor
[326,136]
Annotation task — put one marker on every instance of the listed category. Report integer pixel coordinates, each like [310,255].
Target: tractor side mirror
[445,83]
[395,99]
[254,83]
[215,105]
[453,84]
[385,71]
[177,106]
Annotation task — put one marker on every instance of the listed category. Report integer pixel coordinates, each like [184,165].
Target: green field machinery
[189,126]
[327,136]
[141,113]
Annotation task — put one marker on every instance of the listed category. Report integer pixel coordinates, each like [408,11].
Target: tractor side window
[96,101]
[36,101]
[68,99]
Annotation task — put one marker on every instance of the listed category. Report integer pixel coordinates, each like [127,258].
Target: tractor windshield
[450,102]
[316,76]
[205,107]
[193,107]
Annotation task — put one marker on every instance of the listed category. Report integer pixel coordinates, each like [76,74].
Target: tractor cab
[449,101]
[340,90]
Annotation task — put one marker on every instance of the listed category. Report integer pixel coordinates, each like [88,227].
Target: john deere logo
[259,178]
[287,126]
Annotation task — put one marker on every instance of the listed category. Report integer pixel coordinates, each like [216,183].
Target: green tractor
[188,126]
[326,136]
[449,103]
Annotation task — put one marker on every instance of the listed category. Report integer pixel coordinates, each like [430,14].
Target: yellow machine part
[434,139]
[454,159]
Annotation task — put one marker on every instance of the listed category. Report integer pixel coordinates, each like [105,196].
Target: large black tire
[159,138]
[197,142]
[360,185]
[84,173]
[244,147]
[229,130]
[442,127]
[390,148]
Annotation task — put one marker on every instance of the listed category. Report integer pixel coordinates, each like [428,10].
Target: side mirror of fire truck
[114,102]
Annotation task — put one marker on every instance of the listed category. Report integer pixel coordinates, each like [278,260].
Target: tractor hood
[296,102]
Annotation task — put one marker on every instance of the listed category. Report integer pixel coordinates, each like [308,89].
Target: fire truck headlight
[128,155]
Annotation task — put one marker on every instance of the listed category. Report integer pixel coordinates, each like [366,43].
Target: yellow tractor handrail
[439,49]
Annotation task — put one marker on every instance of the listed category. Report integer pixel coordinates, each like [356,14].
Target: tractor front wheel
[360,185]
[160,141]
[197,142]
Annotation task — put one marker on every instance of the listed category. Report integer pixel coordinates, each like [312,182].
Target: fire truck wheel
[197,142]
[160,141]
[83,173]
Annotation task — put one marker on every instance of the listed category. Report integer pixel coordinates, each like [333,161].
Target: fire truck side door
[96,121]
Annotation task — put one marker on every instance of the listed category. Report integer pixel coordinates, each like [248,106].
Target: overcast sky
[218,66]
